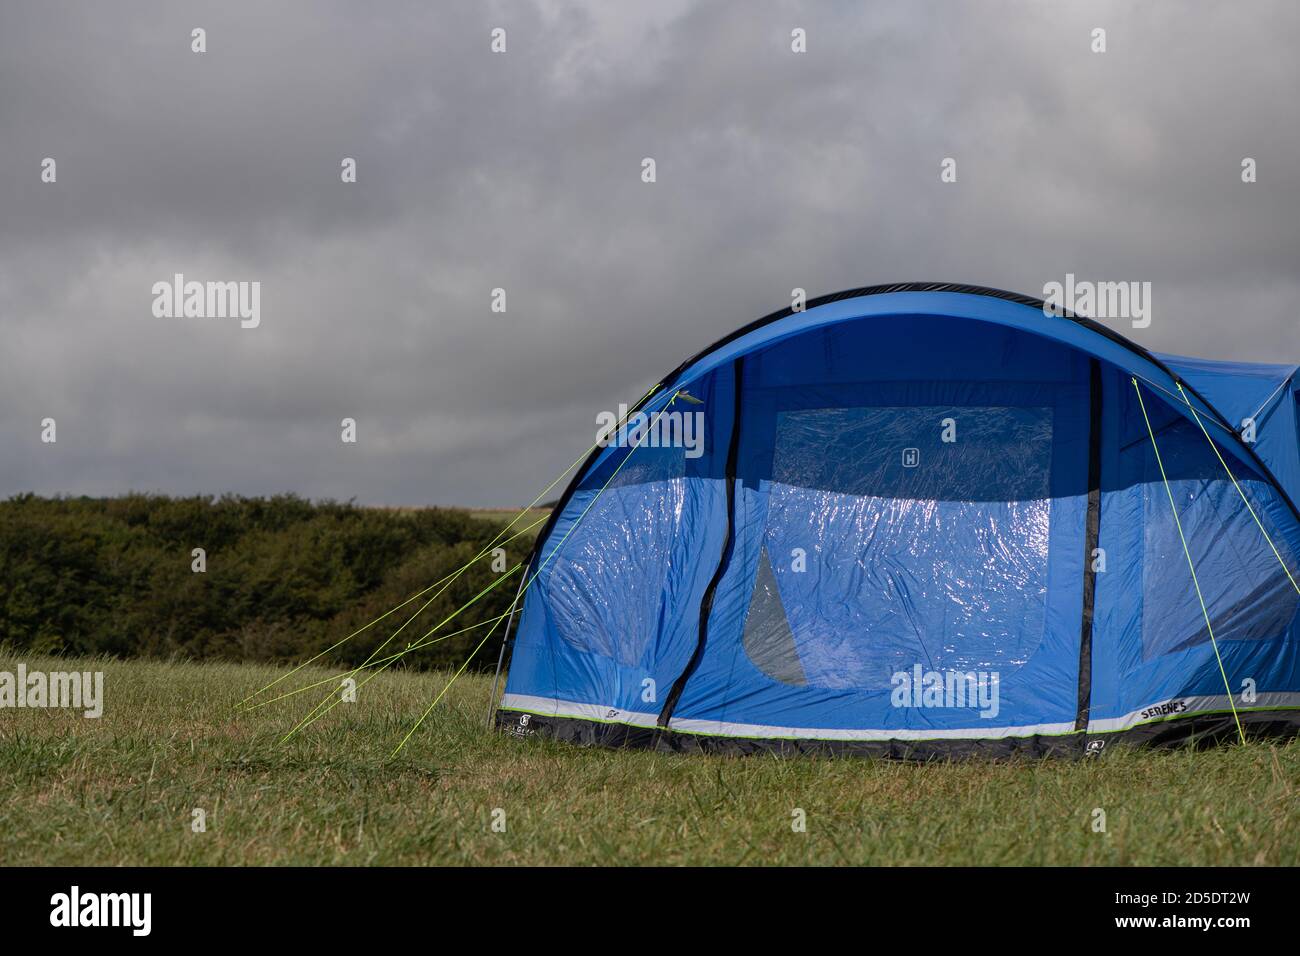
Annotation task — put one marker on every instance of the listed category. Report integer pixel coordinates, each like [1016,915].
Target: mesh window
[1246,590]
[917,550]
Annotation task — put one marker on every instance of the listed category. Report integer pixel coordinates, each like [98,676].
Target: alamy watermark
[668,429]
[77,690]
[208,300]
[133,911]
[947,689]
[1099,300]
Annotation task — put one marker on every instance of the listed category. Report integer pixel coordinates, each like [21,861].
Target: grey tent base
[1194,730]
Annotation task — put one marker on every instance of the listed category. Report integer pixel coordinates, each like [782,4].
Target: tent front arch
[665,610]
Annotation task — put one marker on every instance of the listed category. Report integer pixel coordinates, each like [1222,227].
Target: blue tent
[924,520]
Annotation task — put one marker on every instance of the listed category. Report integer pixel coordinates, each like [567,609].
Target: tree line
[280,578]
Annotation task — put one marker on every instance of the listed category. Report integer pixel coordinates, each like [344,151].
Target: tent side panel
[612,617]
[1153,655]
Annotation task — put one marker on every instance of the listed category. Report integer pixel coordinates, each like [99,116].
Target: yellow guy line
[649,428]
[454,574]
[1258,523]
[1191,567]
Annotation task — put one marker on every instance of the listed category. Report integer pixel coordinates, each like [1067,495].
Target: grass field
[122,789]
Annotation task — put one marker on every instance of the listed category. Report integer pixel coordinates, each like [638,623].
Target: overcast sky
[522,170]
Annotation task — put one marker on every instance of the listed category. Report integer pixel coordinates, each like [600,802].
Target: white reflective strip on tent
[1193,705]
[550,707]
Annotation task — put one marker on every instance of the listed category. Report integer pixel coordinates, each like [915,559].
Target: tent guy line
[541,568]
[1191,566]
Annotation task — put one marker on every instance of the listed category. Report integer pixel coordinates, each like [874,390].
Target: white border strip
[1186,706]
[722,728]
[551,707]
[1153,713]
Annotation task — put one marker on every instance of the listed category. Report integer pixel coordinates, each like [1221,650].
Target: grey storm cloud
[522,171]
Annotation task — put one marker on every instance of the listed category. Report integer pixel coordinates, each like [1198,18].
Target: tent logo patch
[522,729]
[947,689]
[1165,709]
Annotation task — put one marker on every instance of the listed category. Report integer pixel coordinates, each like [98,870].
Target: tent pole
[501,655]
